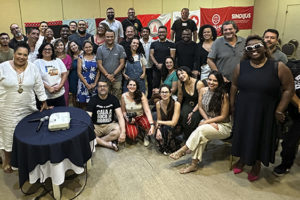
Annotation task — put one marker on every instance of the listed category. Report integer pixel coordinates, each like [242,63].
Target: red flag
[154,21]
[243,16]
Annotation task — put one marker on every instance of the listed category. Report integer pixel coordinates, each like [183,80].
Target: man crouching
[102,108]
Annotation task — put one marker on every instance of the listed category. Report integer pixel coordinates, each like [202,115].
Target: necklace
[20,75]
[20,82]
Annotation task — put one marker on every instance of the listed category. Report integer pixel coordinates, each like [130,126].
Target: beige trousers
[199,137]
[115,88]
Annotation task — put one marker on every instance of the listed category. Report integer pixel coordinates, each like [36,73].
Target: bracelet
[280,113]
[151,124]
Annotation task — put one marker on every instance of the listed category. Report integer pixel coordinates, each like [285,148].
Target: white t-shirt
[142,60]
[117,27]
[32,56]
[147,51]
[51,74]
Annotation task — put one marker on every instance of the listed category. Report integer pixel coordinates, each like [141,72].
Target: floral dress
[89,72]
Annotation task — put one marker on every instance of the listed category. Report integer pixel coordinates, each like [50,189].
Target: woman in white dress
[20,81]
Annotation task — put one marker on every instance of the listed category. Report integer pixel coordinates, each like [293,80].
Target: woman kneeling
[136,111]
[214,108]
[168,112]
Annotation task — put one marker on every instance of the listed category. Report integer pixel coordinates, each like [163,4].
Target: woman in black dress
[168,112]
[188,92]
[260,92]
[207,35]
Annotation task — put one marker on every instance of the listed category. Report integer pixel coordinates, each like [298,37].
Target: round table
[37,153]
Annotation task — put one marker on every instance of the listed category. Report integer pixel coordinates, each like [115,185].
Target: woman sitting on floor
[168,112]
[188,94]
[214,108]
[136,111]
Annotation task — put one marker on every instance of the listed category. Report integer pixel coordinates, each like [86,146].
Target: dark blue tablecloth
[31,148]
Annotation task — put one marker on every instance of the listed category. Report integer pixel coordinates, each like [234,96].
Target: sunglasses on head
[253,47]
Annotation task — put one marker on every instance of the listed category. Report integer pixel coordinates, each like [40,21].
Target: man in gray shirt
[227,51]
[271,37]
[110,59]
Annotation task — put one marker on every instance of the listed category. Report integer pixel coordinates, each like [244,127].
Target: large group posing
[183,94]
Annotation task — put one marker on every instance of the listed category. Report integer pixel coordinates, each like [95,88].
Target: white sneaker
[146,141]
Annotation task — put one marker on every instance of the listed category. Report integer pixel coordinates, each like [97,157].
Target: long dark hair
[164,70]
[57,42]
[170,107]
[185,69]
[41,49]
[137,94]
[140,50]
[70,52]
[216,100]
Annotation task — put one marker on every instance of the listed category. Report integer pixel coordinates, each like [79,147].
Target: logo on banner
[215,19]
[241,16]
[153,26]
[196,19]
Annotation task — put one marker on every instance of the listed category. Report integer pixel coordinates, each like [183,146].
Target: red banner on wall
[98,20]
[243,16]
[154,21]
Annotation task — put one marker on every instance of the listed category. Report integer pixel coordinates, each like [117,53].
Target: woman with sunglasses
[260,92]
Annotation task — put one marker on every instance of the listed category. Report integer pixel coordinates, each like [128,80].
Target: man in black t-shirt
[81,34]
[159,50]
[183,23]
[129,33]
[186,52]
[18,36]
[102,109]
[291,139]
[132,21]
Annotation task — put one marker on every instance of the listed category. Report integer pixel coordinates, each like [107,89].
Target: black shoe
[281,170]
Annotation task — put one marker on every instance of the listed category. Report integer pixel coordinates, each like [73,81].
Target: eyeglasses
[253,47]
[46,49]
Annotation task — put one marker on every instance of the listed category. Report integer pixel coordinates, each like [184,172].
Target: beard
[18,34]
[110,17]
[82,31]
[130,17]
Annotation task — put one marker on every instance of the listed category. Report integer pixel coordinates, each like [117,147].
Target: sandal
[177,154]
[7,169]
[190,168]
[114,146]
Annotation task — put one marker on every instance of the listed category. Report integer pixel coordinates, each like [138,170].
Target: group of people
[217,88]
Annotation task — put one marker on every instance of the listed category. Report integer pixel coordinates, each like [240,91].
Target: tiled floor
[137,172]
